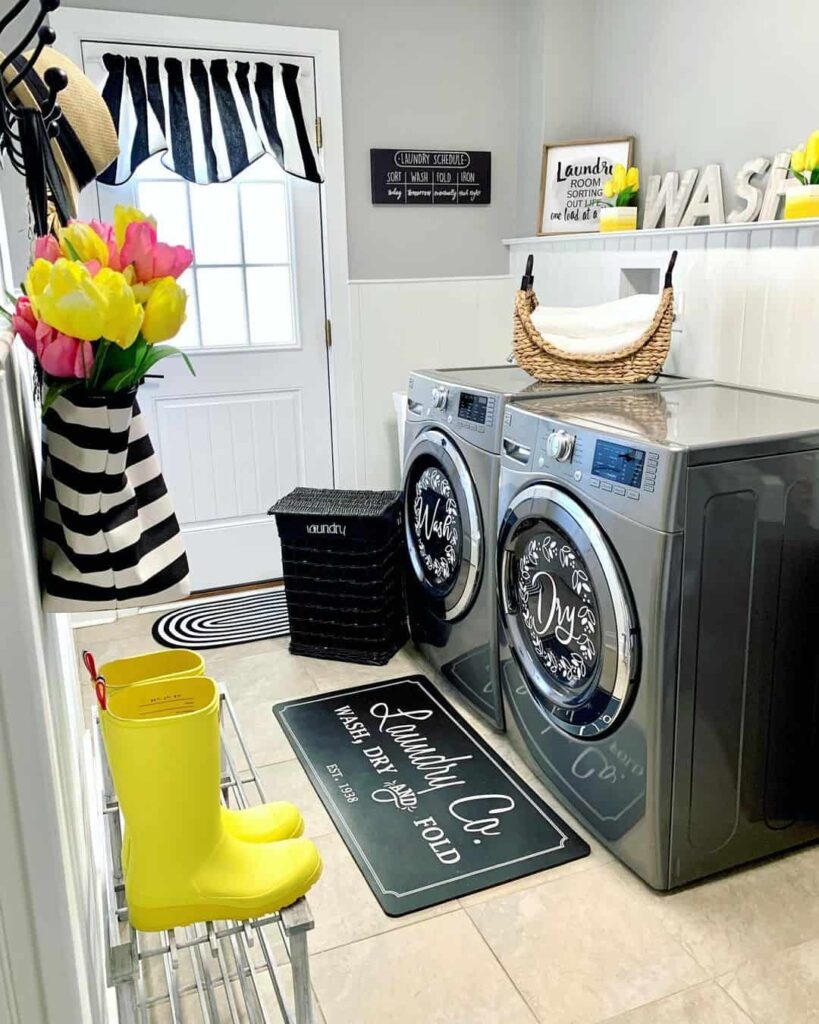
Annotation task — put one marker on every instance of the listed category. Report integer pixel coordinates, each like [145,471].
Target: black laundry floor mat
[427,809]
[236,620]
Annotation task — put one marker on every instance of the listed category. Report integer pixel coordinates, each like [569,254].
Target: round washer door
[443,524]
[567,611]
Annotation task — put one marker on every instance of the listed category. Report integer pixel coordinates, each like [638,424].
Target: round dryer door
[443,524]
[567,612]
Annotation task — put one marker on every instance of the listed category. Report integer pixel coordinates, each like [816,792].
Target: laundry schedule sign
[426,808]
[430,177]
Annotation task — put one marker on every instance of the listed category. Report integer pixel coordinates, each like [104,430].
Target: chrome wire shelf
[252,972]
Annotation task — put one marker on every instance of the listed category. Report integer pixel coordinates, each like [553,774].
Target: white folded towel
[585,330]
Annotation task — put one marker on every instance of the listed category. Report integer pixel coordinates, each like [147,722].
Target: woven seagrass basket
[637,362]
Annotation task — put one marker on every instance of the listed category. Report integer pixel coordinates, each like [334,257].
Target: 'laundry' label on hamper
[426,808]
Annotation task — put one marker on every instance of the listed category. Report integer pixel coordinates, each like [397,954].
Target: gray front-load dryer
[658,557]
[452,447]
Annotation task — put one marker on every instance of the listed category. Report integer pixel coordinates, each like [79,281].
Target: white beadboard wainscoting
[747,297]
[399,326]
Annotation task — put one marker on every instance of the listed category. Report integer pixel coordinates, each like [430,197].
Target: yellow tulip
[37,278]
[125,215]
[142,292]
[164,310]
[123,314]
[633,179]
[81,242]
[798,160]
[618,178]
[68,299]
[608,190]
[812,152]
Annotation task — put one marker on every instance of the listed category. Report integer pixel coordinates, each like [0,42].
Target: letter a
[668,196]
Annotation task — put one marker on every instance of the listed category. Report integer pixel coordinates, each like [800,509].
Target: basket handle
[670,269]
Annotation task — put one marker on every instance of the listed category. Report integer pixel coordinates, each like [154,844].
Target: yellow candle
[618,218]
[802,202]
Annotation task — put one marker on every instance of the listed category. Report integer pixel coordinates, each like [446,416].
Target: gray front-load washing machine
[658,564]
[452,446]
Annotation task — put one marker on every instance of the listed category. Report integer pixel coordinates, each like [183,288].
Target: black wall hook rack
[25,132]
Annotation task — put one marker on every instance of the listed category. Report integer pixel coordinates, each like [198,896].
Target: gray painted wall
[696,81]
[414,74]
[556,70]
[706,81]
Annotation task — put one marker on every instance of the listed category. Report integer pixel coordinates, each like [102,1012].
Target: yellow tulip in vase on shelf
[620,213]
[802,200]
[97,303]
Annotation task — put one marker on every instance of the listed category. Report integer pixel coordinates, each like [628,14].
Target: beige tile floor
[584,943]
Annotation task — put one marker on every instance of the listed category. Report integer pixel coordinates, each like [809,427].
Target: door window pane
[269,304]
[188,336]
[263,169]
[221,306]
[215,217]
[240,286]
[168,202]
[264,222]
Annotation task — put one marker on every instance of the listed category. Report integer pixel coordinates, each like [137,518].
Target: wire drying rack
[225,972]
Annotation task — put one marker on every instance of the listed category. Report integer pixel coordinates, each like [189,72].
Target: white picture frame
[571,182]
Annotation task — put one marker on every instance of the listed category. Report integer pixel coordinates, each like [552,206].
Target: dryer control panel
[633,477]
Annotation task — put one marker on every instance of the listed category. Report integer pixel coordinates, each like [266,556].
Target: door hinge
[328,333]
[319,134]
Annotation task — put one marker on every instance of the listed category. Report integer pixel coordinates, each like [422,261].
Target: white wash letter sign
[749,194]
[707,200]
[778,184]
[667,194]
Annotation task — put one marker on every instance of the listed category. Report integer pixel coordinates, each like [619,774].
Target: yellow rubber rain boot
[264,824]
[162,742]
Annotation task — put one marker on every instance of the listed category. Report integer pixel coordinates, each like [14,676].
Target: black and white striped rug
[236,620]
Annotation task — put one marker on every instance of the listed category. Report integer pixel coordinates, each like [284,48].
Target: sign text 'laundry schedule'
[430,177]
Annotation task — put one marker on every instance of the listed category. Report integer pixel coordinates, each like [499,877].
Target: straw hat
[87,142]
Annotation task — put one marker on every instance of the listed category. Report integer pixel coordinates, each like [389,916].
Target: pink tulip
[46,247]
[151,258]
[58,354]
[106,233]
[24,322]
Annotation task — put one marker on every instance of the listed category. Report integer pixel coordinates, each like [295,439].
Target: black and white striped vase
[110,535]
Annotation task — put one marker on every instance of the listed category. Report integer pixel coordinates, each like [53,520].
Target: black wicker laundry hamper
[343,558]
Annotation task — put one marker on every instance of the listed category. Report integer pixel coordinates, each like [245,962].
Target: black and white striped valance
[212,117]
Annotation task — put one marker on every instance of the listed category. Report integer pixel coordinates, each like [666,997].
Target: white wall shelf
[762,234]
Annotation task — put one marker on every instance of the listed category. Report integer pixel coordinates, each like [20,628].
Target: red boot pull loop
[90,665]
[96,678]
[99,689]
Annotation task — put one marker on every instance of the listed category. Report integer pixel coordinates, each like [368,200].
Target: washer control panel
[473,415]
[476,412]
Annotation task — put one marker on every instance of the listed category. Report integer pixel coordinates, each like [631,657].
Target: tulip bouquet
[98,300]
[622,187]
[805,161]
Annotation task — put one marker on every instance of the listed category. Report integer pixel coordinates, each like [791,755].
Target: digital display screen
[472,407]
[618,463]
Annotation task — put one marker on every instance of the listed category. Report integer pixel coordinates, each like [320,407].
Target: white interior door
[255,420]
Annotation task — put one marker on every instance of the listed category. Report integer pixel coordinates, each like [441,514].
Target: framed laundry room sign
[571,182]
[430,177]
